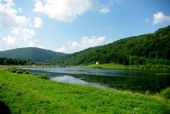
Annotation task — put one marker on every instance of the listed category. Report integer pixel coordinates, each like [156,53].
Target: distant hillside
[149,48]
[32,53]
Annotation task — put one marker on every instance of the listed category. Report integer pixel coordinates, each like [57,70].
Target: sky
[73,25]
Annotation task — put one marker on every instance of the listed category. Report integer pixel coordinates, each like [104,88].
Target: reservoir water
[119,79]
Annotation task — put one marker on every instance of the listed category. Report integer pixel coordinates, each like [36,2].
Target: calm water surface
[118,79]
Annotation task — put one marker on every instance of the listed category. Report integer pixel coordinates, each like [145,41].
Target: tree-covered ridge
[32,53]
[151,48]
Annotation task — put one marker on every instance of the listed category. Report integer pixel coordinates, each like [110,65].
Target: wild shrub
[42,76]
[166,93]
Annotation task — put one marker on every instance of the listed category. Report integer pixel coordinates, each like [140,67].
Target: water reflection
[68,79]
[120,79]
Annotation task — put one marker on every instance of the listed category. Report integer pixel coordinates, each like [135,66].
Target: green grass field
[148,67]
[110,66]
[27,94]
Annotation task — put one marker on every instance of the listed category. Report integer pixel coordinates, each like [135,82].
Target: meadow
[147,67]
[25,93]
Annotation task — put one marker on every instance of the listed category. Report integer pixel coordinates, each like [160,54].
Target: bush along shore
[24,93]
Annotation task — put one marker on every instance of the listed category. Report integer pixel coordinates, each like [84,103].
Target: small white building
[97,63]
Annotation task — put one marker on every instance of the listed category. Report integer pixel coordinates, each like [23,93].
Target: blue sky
[73,25]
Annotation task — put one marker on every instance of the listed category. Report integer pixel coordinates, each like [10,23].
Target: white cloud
[61,49]
[19,37]
[37,22]
[20,29]
[20,10]
[38,6]
[9,40]
[92,41]
[63,10]
[85,42]
[9,16]
[159,17]
[104,9]
[25,34]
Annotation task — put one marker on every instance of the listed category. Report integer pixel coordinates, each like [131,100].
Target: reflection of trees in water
[152,83]
[128,80]
[139,82]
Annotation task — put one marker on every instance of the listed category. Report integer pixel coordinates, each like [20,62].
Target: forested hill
[149,48]
[32,53]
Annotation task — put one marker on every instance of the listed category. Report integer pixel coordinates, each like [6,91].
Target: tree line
[14,61]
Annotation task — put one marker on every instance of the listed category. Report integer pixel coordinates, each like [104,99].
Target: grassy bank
[27,94]
[109,66]
[149,67]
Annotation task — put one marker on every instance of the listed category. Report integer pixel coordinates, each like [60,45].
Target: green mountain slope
[32,53]
[149,48]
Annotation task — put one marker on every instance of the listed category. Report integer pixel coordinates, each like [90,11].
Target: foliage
[26,94]
[13,61]
[166,93]
[31,53]
[138,50]
[18,71]
[42,76]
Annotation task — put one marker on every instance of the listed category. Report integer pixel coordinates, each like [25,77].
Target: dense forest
[12,61]
[151,48]
[31,53]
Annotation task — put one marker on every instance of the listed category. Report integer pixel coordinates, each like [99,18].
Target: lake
[118,79]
